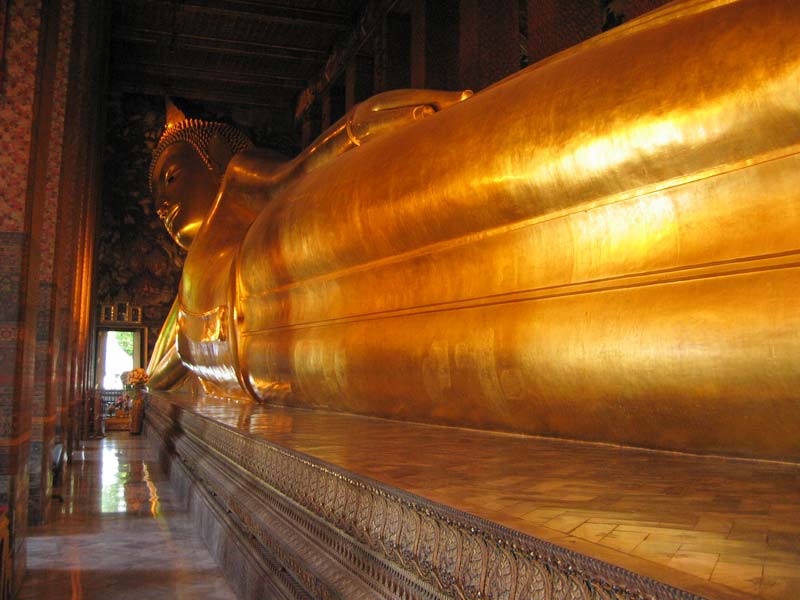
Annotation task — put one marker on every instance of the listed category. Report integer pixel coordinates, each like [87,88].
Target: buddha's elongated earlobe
[219,151]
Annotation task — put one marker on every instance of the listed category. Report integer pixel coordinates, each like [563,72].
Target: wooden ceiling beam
[217,45]
[142,70]
[204,94]
[274,13]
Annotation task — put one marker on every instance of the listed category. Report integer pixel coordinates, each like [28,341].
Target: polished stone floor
[119,533]
[721,528]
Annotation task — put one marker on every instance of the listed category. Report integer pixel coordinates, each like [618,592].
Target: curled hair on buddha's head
[216,143]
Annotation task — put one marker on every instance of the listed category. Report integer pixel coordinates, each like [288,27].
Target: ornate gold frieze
[391,539]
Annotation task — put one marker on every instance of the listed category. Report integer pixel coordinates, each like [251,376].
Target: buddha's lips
[170,216]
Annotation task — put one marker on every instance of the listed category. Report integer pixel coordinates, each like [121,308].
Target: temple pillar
[336,99]
[54,91]
[325,108]
[379,52]
[310,126]
[350,85]
[398,51]
[83,183]
[441,45]
[41,222]
[358,81]
[305,132]
[489,37]
[418,44]
[350,75]
[20,236]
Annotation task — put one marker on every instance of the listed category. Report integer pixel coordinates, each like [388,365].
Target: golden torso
[602,247]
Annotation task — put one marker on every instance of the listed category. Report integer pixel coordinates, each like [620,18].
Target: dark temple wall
[555,25]
[136,260]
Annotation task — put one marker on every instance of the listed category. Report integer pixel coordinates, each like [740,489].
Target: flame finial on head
[200,135]
[174,114]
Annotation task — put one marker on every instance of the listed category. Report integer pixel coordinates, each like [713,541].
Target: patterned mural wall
[80,198]
[17,320]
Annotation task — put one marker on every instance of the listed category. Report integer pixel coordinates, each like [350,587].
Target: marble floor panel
[723,528]
[119,533]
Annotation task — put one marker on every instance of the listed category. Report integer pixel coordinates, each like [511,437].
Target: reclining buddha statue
[603,246]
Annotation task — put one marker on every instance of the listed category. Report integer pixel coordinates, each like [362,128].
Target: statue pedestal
[308,504]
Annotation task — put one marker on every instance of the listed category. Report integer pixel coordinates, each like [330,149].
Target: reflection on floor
[723,528]
[119,533]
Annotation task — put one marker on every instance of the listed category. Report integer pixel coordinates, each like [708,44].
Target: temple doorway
[118,351]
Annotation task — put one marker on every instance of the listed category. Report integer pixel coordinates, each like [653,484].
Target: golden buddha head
[187,168]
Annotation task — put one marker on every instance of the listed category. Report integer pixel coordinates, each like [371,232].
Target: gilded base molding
[303,528]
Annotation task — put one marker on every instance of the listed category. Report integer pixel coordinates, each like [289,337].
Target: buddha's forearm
[165,368]
[166,337]
[168,373]
[375,117]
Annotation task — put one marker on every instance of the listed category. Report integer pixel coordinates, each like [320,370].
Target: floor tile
[593,532]
[624,541]
[119,533]
[656,550]
[741,576]
[700,564]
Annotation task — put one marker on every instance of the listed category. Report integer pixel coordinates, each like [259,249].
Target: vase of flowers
[137,379]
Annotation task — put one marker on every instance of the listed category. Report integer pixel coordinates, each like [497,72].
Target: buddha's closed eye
[171,175]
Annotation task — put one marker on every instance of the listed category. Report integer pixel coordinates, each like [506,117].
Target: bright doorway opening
[118,351]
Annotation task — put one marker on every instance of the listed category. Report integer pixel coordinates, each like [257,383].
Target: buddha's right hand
[390,110]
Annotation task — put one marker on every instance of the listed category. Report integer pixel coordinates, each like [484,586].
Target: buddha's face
[184,190]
